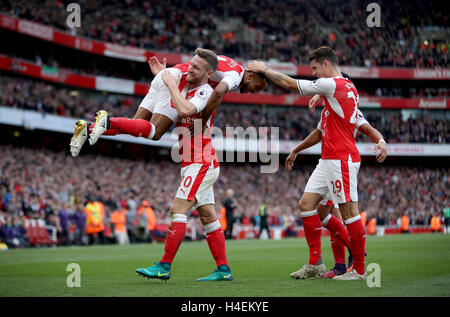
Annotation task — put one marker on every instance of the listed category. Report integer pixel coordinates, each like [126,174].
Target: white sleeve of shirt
[360,120]
[232,79]
[321,86]
[201,97]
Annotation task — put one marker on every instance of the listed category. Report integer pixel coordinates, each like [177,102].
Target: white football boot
[79,137]
[351,276]
[100,126]
[309,270]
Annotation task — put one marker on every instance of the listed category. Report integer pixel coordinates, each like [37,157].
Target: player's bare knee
[304,205]
[157,135]
[175,210]
[335,212]
[323,212]
[207,219]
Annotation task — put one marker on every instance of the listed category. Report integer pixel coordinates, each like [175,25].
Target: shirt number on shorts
[186,182]
[337,186]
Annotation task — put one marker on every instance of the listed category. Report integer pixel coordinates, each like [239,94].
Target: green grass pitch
[411,265]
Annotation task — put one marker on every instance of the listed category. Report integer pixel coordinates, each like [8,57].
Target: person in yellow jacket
[435,223]
[145,222]
[95,213]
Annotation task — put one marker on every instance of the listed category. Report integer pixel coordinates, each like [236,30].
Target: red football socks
[338,230]
[175,236]
[216,243]
[313,230]
[357,242]
[134,127]
[338,250]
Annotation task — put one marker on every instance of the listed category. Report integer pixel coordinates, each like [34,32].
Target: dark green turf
[411,265]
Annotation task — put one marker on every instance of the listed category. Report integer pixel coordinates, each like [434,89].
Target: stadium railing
[125,86]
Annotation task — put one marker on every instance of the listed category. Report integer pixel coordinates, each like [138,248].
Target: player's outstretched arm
[376,138]
[155,65]
[312,139]
[277,78]
[183,106]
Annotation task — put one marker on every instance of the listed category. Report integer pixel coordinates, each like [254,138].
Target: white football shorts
[338,179]
[158,99]
[197,181]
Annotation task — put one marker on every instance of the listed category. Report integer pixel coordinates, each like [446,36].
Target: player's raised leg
[83,129]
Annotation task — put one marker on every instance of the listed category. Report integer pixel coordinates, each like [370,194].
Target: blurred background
[52,74]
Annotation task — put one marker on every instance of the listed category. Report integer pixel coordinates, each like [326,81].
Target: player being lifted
[338,167]
[156,105]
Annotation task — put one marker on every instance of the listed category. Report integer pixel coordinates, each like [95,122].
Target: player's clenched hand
[169,79]
[155,65]
[381,148]
[290,161]
[257,67]
[316,100]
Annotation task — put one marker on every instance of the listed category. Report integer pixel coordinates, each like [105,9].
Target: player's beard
[191,80]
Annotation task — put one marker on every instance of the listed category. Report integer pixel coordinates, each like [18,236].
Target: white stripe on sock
[213,226]
[308,213]
[352,219]
[325,221]
[152,132]
[179,218]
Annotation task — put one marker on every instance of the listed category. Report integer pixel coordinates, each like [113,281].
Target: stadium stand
[401,71]
[287,30]
[36,183]
[295,123]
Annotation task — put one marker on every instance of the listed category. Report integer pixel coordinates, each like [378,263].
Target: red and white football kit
[360,120]
[338,167]
[199,164]
[158,97]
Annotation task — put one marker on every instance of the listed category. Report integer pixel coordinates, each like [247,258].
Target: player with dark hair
[338,167]
[328,211]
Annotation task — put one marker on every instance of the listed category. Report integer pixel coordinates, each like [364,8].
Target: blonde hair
[209,56]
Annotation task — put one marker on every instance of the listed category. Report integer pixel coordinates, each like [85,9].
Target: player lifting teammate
[200,169]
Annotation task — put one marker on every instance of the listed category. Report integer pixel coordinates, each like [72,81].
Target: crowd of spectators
[55,188]
[48,98]
[286,31]
[295,123]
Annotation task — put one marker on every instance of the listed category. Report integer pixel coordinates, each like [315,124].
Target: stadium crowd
[56,189]
[295,123]
[264,29]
